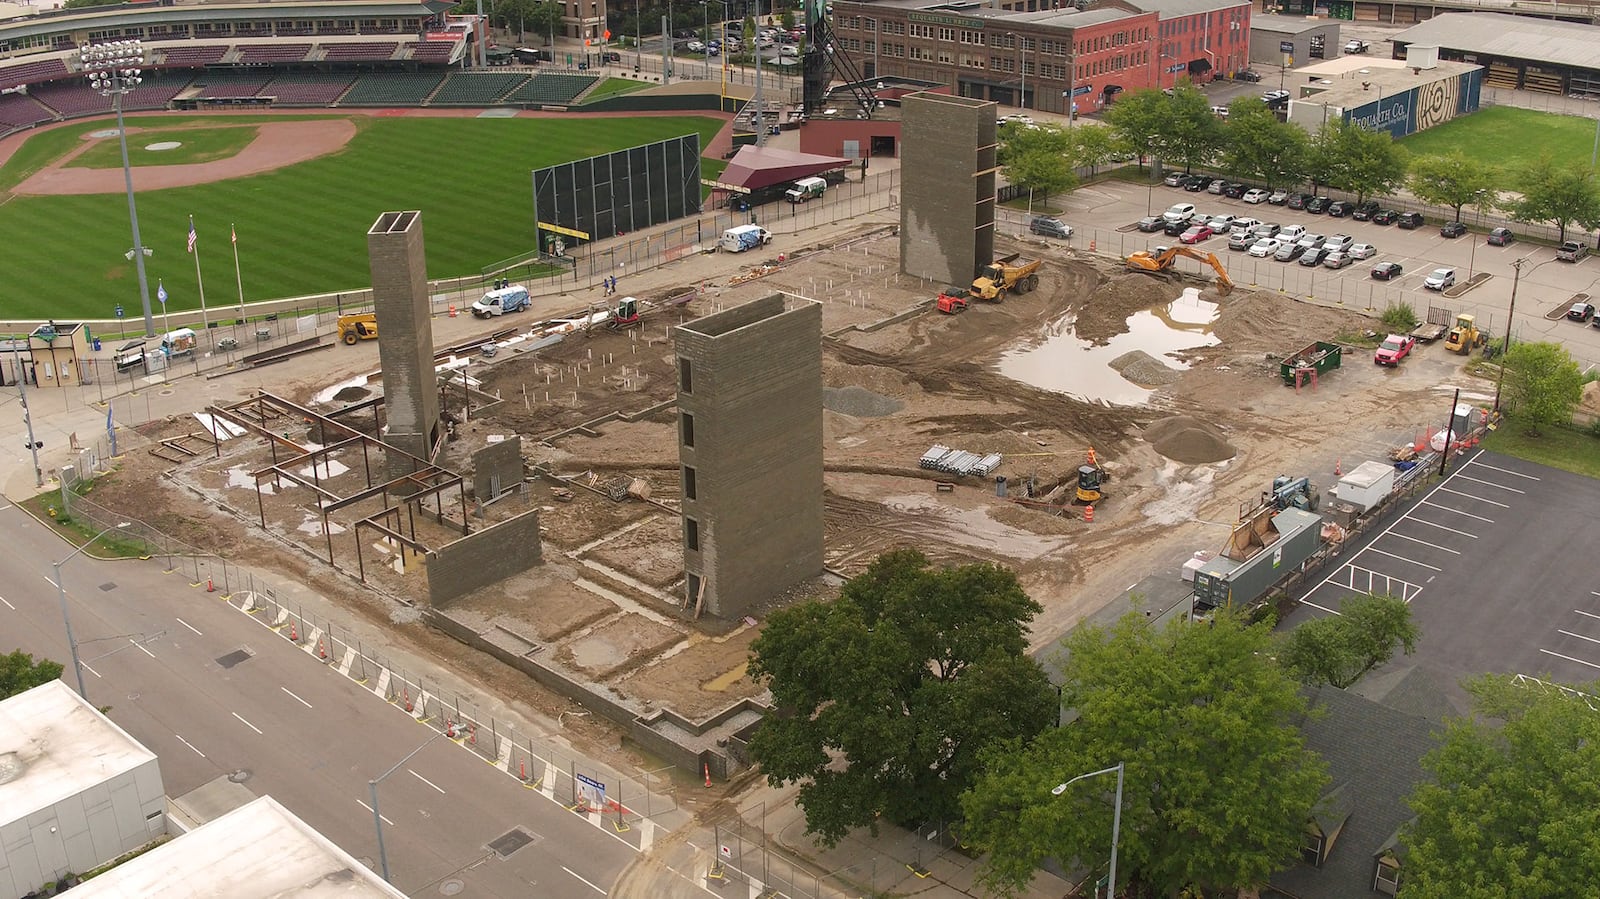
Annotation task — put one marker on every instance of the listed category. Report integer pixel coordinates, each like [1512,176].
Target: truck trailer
[1268,547]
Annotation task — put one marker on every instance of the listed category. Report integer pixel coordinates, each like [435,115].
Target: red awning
[753,167]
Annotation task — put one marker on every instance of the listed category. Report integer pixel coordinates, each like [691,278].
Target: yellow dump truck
[1005,275]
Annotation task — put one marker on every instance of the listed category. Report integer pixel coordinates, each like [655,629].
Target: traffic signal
[37,444]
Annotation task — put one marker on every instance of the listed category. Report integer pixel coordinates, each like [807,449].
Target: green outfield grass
[613,86]
[1508,138]
[302,229]
[197,145]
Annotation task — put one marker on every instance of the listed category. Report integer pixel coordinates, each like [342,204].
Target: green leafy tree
[1135,121]
[19,672]
[1257,146]
[1189,133]
[80,4]
[1510,807]
[1562,194]
[1092,145]
[1219,783]
[1452,180]
[1037,159]
[787,20]
[1358,160]
[1340,649]
[887,696]
[1543,384]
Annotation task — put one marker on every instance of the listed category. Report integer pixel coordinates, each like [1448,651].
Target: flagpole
[233,235]
[194,247]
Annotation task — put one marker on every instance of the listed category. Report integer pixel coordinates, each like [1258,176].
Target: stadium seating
[265,53]
[74,97]
[20,111]
[193,56]
[224,85]
[351,52]
[392,89]
[557,90]
[307,89]
[477,89]
[433,51]
[31,72]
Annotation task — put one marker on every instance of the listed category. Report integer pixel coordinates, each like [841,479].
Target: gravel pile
[352,394]
[1144,369]
[1188,440]
[859,402]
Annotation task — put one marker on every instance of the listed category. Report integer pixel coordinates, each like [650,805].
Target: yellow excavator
[1091,481]
[1161,263]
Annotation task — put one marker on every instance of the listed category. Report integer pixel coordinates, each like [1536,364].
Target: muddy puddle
[1063,362]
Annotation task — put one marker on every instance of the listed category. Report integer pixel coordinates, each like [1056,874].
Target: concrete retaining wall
[487,557]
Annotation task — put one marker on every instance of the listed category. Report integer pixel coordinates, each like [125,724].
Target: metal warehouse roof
[1515,37]
[1289,24]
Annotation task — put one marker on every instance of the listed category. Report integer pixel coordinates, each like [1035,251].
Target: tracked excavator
[1161,263]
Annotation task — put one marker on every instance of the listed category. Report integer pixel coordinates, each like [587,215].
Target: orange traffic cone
[452,310]
[406,698]
[322,651]
[707,766]
[1338,469]
[294,635]
[1088,513]
[210,587]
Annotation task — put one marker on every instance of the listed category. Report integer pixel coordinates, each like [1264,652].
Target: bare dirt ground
[606,605]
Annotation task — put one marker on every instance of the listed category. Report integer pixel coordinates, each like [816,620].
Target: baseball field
[301,227]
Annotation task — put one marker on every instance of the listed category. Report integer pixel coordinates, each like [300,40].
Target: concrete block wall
[754,397]
[498,462]
[398,261]
[947,164]
[486,557]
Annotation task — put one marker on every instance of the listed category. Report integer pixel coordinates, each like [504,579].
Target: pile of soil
[352,394]
[1144,369]
[1105,314]
[1273,323]
[1188,440]
[859,402]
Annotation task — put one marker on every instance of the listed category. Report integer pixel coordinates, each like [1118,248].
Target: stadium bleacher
[32,72]
[307,89]
[193,56]
[392,89]
[20,111]
[74,97]
[433,51]
[554,89]
[352,52]
[477,88]
[267,53]
[226,85]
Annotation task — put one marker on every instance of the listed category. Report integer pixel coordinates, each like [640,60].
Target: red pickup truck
[1394,348]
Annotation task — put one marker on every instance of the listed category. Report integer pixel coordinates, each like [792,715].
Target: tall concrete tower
[405,336]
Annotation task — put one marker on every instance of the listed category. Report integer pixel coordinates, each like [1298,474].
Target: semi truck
[1262,551]
[744,237]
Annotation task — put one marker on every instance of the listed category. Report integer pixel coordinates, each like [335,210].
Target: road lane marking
[1492,484]
[1425,543]
[86,667]
[1380,552]
[1440,527]
[1476,499]
[298,699]
[8,605]
[141,647]
[580,877]
[1587,614]
[1569,658]
[1502,470]
[189,626]
[369,810]
[247,724]
[426,781]
[1579,636]
[190,745]
[1457,511]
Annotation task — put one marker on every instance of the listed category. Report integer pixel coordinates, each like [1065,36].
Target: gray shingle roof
[1516,37]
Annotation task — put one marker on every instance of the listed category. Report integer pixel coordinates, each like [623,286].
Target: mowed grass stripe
[302,230]
[1509,139]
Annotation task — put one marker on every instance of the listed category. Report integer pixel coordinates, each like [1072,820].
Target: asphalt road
[285,725]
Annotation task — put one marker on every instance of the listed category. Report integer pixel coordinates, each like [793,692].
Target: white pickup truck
[1355,46]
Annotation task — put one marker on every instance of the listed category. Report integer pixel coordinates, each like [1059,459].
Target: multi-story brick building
[1024,53]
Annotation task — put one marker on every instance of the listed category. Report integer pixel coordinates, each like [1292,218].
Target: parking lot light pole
[61,596]
[1116,818]
[377,818]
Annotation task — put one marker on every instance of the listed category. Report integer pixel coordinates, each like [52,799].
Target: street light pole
[377,818]
[61,596]
[1116,818]
[113,70]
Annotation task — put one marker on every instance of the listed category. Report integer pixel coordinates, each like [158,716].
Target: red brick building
[1025,53]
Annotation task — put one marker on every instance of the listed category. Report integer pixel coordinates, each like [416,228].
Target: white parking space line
[580,877]
[1579,636]
[50,582]
[1569,658]
[1457,511]
[189,626]
[1307,602]
[1502,470]
[1440,527]
[1477,499]
[1593,593]
[246,723]
[1587,614]
[1373,549]
[369,811]
[190,745]
[297,699]
[1492,484]
[141,647]
[8,605]
[1452,552]
[426,781]
[1408,590]
[90,670]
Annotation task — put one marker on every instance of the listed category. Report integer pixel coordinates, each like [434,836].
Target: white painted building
[76,790]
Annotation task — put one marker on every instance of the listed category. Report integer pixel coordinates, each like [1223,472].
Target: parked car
[1339,242]
[1314,256]
[1255,195]
[1581,312]
[1195,234]
[1318,205]
[695,47]
[1265,246]
[1216,186]
[1311,241]
[1501,237]
[1196,183]
[1220,112]
[1394,348]
[1384,217]
[1220,223]
[1289,252]
[1278,197]
[1338,259]
[1050,226]
[1365,211]
[1174,179]
[1150,224]
[1291,232]
[1233,190]
[1299,201]
[1179,212]
[1362,251]
[1250,75]
[1439,279]
[1341,208]
[1175,228]
[1354,46]
[1240,240]
[1277,99]
[1572,251]
[1409,221]
[1266,229]
[1452,229]
[1386,271]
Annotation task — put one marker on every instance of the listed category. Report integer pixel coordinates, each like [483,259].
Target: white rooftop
[256,851]
[54,745]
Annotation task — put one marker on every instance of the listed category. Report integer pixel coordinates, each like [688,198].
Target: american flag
[192,236]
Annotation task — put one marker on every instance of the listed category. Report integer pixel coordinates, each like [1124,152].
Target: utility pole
[1511,314]
[22,387]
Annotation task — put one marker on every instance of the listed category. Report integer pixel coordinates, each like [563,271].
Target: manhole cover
[451,887]
[233,658]
[108,586]
[168,392]
[239,776]
[133,697]
[510,842]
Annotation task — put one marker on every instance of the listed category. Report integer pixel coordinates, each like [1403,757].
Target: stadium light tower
[113,70]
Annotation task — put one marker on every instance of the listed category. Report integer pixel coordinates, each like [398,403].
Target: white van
[805,189]
[744,237]
[1180,212]
[505,299]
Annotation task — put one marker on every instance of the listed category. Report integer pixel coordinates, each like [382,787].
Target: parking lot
[1104,214]
[1495,563]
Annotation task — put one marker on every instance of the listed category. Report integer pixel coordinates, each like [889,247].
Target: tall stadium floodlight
[113,69]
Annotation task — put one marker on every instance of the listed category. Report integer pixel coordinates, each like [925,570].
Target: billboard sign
[1285,46]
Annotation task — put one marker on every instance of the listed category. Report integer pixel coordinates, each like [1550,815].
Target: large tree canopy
[19,672]
[1355,159]
[1453,180]
[1543,384]
[1339,649]
[887,696]
[1219,783]
[1562,194]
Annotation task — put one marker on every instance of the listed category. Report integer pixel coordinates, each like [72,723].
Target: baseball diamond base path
[277,145]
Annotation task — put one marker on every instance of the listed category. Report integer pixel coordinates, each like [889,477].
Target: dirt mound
[1105,314]
[1188,440]
[859,402]
[352,394]
[1275,323]
[1144,369]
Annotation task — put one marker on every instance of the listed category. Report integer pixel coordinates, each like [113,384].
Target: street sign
[593,783]
[1285,46]
[1084,89]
